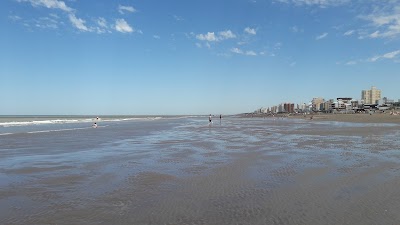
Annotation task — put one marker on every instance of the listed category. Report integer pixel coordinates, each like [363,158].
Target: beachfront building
[301,108]
[274,109]
[371,96]
[328,105]
[387,101]
[355,105]
[342,104]
[288,107]
[317,104]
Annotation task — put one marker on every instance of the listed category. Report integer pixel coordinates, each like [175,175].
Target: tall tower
[371,96]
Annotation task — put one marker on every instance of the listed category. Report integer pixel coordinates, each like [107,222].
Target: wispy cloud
[212,37]
[394,56]
[15,17]
[122,26]
[251,53]
[296,29]
[237,50]
[98,25]
[227,34]
[46,23]
[349,33]
[319,3]
[384,20]
[51,4]
[78,23]
[322,36]
[102,26]
[389,55]
[250,31]
[102,22]
[177,18]
[349,63]
[241,52]
[156,37]
[126,9]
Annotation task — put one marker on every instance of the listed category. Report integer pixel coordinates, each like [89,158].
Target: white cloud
[374,35]
[389,55]
[251,53]
[102,22]
[240,51]
[51,4]
[322,36]
[348,33]
[156,37]
[78,23]
[295,29]
[349,63]
[250,30]
[178,18]
[46,23]
[385,20]
[227,34]
[123,9]
[210,36]
[14,18]
[122,26]
[319,3]
[102,26]
[237,51]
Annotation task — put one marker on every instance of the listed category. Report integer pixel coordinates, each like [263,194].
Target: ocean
[183,170]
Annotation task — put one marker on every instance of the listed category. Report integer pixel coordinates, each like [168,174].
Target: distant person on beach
[220,116]
[94,125]
[209,119]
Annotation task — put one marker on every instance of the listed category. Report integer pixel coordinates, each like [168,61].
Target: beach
[333,169]
[359,118]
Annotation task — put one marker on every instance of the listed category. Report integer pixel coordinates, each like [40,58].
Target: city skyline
[369,98]
[199,57]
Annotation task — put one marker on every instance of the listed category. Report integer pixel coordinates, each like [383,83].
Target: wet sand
[359,118]
[239,171]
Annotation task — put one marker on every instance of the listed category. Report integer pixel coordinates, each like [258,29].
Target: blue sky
[192,57]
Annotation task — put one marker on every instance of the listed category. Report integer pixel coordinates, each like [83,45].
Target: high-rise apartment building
[288,107]
[316,103]
[371,96]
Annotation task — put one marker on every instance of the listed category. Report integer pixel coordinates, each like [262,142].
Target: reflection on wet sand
[244,171]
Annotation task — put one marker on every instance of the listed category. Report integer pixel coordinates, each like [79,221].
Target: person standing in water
[209,119]
[94,125]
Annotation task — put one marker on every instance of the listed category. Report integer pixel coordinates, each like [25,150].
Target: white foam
[47,131]
[75,120]
[44,122]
